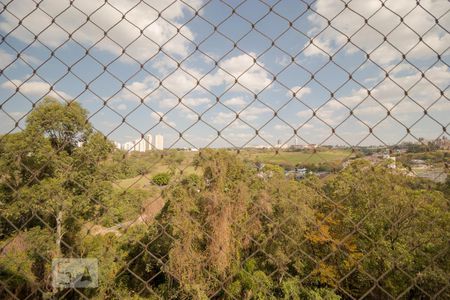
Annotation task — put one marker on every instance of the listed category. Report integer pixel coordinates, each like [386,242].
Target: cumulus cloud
[390,95]
[35,89]
[193,102]
[243,68]
[223,117]
[382,21]
[160,117]
[5,59]
[235,101]
[249,114]
[299,91]
[139,89]
[122,106]
[305,113]
[123,20]
[281,127]
[254,112]
[180,83]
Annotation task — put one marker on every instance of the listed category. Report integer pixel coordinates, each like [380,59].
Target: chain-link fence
[224,149]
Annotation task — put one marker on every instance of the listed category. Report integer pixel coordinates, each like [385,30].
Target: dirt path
[149,212]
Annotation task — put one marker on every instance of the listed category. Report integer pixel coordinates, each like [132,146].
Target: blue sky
[273,73]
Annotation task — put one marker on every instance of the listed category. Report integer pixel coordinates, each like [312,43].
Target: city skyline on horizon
[135,145]
[145,143]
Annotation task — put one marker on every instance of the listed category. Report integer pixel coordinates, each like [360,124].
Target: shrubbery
[227,234]
[161,179]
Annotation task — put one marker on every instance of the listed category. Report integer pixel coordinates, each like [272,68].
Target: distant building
[296,147]
[159,142]
[149,142]
[311,146]
[143,144]
[136,145]
[127,146]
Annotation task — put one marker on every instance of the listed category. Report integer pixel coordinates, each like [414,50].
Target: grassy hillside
[294,158]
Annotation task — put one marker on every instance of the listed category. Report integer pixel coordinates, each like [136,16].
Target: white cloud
[37,89]
[249,75]
[5,59]
[223,117]
[29,59]
[386,20]
[249,114]
[139,89]
[106,17]
[299,91]
[165,120]
[281,127]
[305,113]
[185,111]
[239,125]
[388,94]
[282,60]
[122,106]
[190,116]
[308,126]
[193,102]
[168,102]
[182,82]
[235,101]
[254,112]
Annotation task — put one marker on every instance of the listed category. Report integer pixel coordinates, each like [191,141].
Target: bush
[192,180]
[161,179]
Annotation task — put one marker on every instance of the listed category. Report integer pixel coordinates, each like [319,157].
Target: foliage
[50,179]
[23,260]
[121,206]
[161,179]
[224,232]
[64,125]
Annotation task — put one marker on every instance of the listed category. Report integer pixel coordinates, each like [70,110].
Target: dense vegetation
[225,232]
[161,179]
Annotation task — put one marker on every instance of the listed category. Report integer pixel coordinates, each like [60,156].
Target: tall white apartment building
[127,146]
[135,145]
[149,142]
[145,144]
[159,142]
[118,145]
[139,145]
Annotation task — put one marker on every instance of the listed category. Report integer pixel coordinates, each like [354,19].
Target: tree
[48,178]
[64,124]
[402,227]
[235,227]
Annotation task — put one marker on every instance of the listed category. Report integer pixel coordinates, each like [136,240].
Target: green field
[286,159]
[294,158]
[144,181]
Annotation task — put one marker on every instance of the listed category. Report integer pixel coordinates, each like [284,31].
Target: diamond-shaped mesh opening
[224,149]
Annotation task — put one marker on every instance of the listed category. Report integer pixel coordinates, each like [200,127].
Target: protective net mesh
[225,149]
